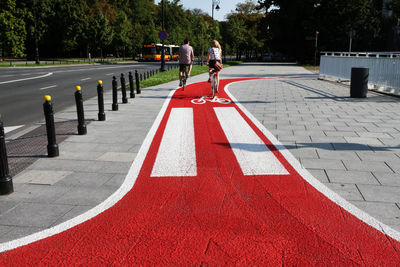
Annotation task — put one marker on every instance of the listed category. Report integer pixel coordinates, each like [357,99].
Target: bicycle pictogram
[204,99]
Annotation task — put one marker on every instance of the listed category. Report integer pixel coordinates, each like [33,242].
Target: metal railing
[384,68]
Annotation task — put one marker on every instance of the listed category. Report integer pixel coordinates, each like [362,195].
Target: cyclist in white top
[214,54]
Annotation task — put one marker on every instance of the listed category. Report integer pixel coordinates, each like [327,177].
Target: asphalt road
[22,89]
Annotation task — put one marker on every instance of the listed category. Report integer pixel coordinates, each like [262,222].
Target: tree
[100,33]
[12,29]
[122,34]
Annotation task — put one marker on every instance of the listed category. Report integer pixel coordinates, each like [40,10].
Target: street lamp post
[316,51]
[162,41]
[215,5]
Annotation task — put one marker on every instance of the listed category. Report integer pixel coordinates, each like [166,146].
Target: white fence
[384,68]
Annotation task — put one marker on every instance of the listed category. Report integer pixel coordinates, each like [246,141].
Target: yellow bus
[174,52]
[152,52]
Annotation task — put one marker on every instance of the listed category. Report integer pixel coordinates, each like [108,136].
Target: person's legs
[190,69]
[217,80]
[181,68]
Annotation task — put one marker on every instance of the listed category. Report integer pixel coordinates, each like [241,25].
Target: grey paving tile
[17,232]
[34,215]
[351,177]
[372,166]
[75,211]
[388,213]
[41,177]
[115,182]
[389,179]
[320,175]
[7,205]
[347,191]
[337,154]
[85,179]
[379,193]
[322,164]
[377,155]
[36,193]
[85,196]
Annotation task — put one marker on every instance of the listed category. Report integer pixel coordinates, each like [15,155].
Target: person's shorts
[183,66]
[211,63]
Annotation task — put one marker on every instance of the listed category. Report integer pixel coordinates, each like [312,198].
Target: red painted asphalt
[219,217]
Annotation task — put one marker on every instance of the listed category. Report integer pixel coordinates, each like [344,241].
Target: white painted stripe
[31,78]
[360,214]
[106,204]
[85,79]
[11,128]
[252,154]
[48,87]
[108,74]
[176,155]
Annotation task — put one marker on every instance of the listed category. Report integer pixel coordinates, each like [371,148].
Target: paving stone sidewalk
[351,145]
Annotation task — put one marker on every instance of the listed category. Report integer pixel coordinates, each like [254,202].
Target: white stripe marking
[252,154]
[85,79]
[176,155]
[11,128]
[108,74]
[48,87]
[31,78]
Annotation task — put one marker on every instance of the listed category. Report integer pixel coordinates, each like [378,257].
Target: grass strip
[173,75]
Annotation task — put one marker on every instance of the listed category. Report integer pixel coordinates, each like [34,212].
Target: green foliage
[12,29]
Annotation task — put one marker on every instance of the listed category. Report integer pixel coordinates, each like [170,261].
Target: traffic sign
[162,35]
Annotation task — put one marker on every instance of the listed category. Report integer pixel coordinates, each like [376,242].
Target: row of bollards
[6,184]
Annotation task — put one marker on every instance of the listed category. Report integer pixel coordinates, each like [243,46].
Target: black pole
[100,100]
[162,41]
[137,82]
[123,89]
[52,147]
[114,94]
[6,183]
[141,77]
[131,88]
[80,112]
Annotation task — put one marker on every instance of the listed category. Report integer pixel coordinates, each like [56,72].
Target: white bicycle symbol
[204,99]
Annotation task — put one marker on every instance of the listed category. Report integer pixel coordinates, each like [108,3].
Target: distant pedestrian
[186,56]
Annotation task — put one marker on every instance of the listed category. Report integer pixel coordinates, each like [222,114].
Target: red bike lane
[221,208]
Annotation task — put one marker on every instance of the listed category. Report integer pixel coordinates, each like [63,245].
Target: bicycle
[184,78]
[214,83]
[215,99]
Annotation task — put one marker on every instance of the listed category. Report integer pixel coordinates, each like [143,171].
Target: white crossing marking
[252,154]
[85,79]
[31,78]
[176,155]
[48,87]
[11,128]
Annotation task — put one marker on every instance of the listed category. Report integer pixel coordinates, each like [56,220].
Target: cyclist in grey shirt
[186,56]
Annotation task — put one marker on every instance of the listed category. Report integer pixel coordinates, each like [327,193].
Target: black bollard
[114,94]
[141,77]
[6,183]
[123,89]
[100,100]
[131,88]
[137,82]
[52,147]
[148,74]
[80,112]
